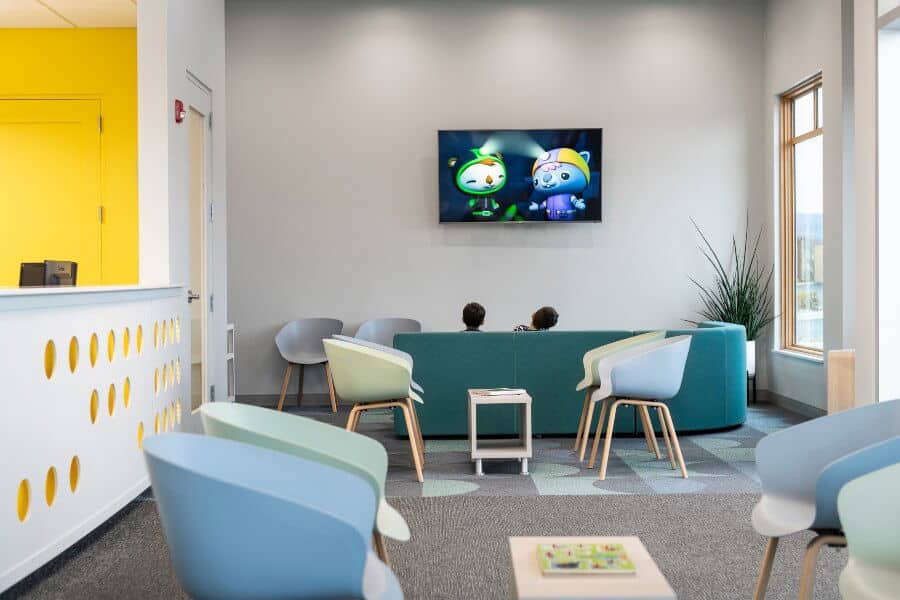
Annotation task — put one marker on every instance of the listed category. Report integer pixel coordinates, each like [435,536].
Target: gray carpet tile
[703,543]
[719,462]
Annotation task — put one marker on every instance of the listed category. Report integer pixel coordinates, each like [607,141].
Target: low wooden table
[528,583]
[518,449]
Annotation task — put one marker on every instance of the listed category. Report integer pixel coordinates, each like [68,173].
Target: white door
[198,121]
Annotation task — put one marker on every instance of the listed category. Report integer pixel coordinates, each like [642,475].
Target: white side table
[528,583]
[520,449]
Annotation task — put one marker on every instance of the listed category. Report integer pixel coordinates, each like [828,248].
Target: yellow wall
[89,63]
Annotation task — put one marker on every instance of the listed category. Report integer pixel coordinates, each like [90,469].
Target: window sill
[820,359]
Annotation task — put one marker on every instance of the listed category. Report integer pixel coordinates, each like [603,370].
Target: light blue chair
[313,440]
[644,376]
[382,331]
[868,507]
[237,528]
[803,468]
[300,344]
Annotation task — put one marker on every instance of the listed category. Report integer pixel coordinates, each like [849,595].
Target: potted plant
[740,294]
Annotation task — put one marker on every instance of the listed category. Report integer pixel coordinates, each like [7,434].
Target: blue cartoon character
[561,175]
[480,178]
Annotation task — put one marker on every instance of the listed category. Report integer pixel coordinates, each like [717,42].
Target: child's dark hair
[544,318]
[473,315]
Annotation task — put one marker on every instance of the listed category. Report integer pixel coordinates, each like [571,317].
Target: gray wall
[332,156]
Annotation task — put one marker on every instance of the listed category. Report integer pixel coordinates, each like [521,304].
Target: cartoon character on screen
[561,175]
[480,178]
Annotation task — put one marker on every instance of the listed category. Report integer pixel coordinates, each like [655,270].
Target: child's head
[544,318]
[473,315]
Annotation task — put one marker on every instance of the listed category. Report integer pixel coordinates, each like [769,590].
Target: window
[801,217]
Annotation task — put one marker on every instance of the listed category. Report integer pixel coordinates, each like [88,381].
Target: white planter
[751,358]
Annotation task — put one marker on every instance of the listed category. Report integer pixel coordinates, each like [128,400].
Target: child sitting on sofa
[473,316]
[543,319]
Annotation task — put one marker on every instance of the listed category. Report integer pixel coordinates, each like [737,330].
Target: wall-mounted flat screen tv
[511,176]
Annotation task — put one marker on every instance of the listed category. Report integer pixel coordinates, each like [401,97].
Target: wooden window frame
[788,141]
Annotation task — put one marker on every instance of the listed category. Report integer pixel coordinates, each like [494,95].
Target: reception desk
[87,374]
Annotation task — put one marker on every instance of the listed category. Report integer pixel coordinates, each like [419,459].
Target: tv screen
[513,176]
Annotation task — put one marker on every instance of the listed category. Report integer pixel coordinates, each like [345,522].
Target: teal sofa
[548,364]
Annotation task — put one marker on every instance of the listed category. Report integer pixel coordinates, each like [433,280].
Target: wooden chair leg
[673,437]
[665,432]
[586,433]
[584,407]
[765,569]
[808,573]
[380,547]
[284,384]
[652,446]
[415,430]
[599,433]
[353,418]
[608,442]
[330,388]
[300,386]
[413,444]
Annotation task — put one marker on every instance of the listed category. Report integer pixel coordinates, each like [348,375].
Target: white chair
[300,344]
[802,469]
[382,331]
[644,376]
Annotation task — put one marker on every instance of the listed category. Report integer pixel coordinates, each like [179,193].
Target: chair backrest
[382,331]
[300,436]
[362,374]
[871,520]
[652,371]
[306,335]
[812,446]
[592,356]
[230,509]
[376,346]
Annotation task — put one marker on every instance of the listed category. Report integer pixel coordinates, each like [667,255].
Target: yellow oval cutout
[74,473]
[126,342]
[111,399]
[73,354]
[156,381]
[178,329]
[155,336]
[178,411]
[164,333]
[156,423]
[178,370]
[111,345]
[50,486]
[95,405]
[126,392]
[23,500]
[94,349]
[139,339]
[49,358]
[140,435]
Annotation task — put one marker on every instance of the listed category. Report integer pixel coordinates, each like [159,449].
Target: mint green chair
[591,383]
[374,379]
[871,520]
[315,441]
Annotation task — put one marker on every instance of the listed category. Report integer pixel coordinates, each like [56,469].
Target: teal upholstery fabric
[548,364]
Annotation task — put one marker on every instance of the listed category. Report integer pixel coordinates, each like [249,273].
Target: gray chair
[644,376]
[300,344]
[802,470]
[382,331]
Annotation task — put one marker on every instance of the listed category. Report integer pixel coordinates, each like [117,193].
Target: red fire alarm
[179,111]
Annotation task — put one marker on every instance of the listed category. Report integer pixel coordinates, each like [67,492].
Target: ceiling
[67,14]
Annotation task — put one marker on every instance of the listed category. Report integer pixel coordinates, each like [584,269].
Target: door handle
[192,296]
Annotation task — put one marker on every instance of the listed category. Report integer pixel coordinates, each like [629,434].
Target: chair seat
[777,516]
[305,358]
[379,582]
[861,581]
[391,523]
